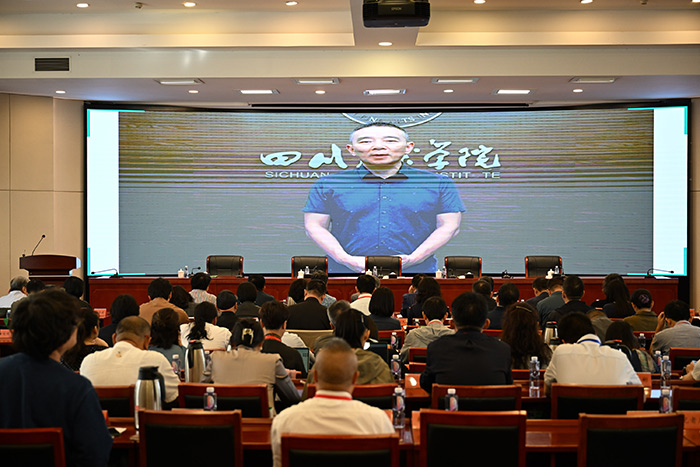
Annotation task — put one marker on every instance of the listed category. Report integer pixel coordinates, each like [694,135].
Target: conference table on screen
[103,290]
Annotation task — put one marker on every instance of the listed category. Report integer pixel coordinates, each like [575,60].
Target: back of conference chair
[386,265]
[570,400]
[681,356]
[315,263]
[225,265]
[479,398]
[250,399]
[536,266]
[340,450]
[463,266]
[32,446]
[118,401]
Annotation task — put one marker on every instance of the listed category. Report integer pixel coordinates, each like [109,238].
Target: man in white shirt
[365,285]
[581,359]
[119,365]
[332,410]
[18,290]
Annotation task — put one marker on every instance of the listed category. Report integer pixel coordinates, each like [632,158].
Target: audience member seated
[296,292]
[200,284]
[381,309]
[602,302]
[181,298]
[572,293]
[87,340]
[226,304]
[332,410]
[204,329]
[520,331]
[408,299]
[434,313]
[340,306]
[33,286]
[678,331]
[310,314]
[619,294]
[245,364]
[122,306]
[247,293]
[328,299]
[258,280]
[159,291]
[467,357]
[273,316]
[427,287]
[365,286]
[36,391]
[581,359]
[119,365]
[692,372]
[638,357]
[539,288]
[600,322]
[554,301]
[644,319]
[18,290]
[75,287]
[480,289]
[165,335]
[508,294]
[351,325]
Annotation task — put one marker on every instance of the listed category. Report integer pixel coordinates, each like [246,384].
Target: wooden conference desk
[104,290]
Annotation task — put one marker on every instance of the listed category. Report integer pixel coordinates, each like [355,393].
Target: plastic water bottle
[176,365]
[444,272]
[306,270]
[657,357]
[374,271]
[210,399]
[396,367]
[534,377]
[665,372]
[399,408]
[187,271]
[642,341]
[394,343]
[666,400]
[556,270]
[452,400]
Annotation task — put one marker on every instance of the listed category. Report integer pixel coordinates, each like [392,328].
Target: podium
[52,269]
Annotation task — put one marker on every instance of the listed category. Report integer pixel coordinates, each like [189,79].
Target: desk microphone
[43,236]
[649,275]
[116,273]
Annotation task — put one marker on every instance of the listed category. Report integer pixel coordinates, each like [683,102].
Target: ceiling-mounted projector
[395,13]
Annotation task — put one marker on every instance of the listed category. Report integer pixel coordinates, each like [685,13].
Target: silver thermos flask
[194,362]
[148,392]
[551,336]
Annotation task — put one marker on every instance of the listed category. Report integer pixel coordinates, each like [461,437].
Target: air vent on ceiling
[52,64]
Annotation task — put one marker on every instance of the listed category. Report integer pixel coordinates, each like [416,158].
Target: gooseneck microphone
[649,275]
[116,272]
[43,236]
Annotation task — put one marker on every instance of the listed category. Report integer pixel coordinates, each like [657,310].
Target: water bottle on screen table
[534,377]
[210,399]
[399,408]
[452,400]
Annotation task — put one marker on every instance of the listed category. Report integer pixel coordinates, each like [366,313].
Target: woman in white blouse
[204,329]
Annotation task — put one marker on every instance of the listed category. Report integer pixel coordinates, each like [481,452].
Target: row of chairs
[446,438]
[232,265]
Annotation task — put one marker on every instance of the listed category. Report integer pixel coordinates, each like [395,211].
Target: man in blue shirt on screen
[382,207]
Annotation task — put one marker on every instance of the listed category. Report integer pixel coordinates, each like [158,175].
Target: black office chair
[225,265]
[386,265]
[536,266]
[315,263]
[340,450]
[463,266]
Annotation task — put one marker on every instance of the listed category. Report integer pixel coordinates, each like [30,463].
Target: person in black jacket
[274,317]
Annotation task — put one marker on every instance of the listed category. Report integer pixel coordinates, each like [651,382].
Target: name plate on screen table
[5,336]
[101,312]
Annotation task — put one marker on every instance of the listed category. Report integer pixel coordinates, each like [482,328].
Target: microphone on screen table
[649,274]
[115,275]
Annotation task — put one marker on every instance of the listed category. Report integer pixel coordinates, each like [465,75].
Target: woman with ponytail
[204,329]
[245,364]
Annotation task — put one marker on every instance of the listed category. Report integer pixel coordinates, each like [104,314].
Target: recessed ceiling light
[454,80]
[386,44]
[512,91]
[60,91]
[320,91]
[189,4]
[82,5]
[317,82]
[586,1]
[179,82]
[593,79]
[383,92]
[291,3]
[479,2]
[258,91]
[448,91]
[577,90]
[193,91]
[694,1]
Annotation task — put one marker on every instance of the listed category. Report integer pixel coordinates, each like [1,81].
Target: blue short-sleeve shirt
[374,216]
